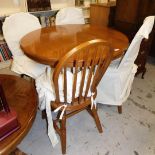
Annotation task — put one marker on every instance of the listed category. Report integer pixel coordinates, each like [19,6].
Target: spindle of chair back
[91,58]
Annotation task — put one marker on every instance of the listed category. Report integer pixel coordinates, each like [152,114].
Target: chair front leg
[63,134]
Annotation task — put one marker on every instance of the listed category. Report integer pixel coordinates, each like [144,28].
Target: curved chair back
[88,63]
[132,52]
[15,27]
[70,15]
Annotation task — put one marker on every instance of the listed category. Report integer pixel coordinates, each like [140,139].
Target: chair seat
[74,107]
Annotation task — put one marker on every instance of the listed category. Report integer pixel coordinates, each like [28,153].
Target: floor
[130,133]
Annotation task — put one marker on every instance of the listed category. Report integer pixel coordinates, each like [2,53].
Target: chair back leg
[119,109]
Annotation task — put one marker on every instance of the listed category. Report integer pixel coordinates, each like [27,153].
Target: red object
[8,117]
[8,123]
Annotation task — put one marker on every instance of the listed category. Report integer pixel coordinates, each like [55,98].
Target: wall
[6,3]
[13,4]
[61,3]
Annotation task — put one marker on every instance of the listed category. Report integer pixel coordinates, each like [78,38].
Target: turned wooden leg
[94,114]
[119,109]
[63,134]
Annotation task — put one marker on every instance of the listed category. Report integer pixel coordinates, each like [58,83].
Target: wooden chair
[90,59]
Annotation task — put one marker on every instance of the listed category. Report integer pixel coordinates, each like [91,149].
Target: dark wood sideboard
[129,16]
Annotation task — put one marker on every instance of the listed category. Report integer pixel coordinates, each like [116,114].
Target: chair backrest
[134,47]
[15,27]
[88,63]
[70,15]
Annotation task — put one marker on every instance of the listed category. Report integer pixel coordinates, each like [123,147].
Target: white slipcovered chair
[14,28]
[70,15]
[115,86]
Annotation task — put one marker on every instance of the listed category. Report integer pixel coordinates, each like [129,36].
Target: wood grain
[22,97]
[48,45]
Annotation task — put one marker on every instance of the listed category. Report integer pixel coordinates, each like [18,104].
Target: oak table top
[22,97]
[47,45]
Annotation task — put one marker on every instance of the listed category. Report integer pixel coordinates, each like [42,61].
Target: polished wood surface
[22,97]
[48,45]
[92,69]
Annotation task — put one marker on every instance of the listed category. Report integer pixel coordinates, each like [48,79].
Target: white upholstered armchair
[115,86]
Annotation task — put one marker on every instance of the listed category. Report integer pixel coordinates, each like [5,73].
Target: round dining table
[47,45]
[21,96]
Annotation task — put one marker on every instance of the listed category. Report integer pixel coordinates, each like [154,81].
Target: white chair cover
[115,86]
[70,15]
[14,28]
[133,50]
